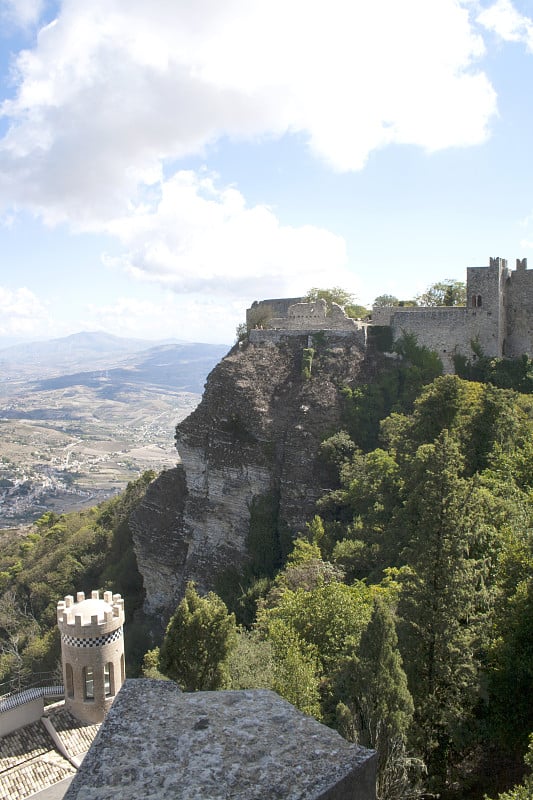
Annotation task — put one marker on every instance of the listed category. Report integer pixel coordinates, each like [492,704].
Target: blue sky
[164,164]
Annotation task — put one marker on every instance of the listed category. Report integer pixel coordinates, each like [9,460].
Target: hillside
[83,415]
[368,521]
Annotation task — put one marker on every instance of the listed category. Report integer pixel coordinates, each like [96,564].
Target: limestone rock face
[257,430]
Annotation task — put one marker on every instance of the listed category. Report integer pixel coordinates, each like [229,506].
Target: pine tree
[444,602]
[198,640]
[378,705]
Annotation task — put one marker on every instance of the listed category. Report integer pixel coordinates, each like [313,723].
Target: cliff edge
[255,434]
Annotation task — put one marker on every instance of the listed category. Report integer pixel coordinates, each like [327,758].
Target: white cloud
[21,312]
[114,89]
[202,238]
[188,318]
[22,13]
[503,19]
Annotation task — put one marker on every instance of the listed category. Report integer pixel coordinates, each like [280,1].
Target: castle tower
[92,653]
[485,287]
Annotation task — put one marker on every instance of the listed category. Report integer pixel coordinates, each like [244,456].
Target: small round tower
[92,652]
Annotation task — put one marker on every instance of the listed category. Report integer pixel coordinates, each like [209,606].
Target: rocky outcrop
[256,431]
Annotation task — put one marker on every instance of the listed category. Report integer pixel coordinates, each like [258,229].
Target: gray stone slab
[157,742]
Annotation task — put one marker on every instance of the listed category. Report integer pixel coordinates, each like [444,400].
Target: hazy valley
[81,416]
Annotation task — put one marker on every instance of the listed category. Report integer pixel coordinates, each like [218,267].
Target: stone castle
[498,316]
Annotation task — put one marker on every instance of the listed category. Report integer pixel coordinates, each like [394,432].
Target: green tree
[369,497]
[296,668]
[241,332]
[373,686]
[334,295]
[384,300]
[511,676]
[329,617]
[198,641]
[444,293]
[444,602]
[356,311]
[524,791]
[251,662]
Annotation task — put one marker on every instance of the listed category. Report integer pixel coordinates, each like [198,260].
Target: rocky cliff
[255,433]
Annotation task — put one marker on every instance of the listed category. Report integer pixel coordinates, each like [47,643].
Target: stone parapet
[246,745]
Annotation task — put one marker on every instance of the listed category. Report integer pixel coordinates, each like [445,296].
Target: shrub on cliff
[198,641]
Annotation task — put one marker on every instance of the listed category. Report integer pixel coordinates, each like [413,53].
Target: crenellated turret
[92,650]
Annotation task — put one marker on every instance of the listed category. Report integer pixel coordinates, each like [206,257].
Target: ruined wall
[262,310]
[314,317]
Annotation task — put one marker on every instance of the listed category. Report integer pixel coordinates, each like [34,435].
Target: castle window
[479,301]
[474,301]
[88,680]
[70,680]
[109,684]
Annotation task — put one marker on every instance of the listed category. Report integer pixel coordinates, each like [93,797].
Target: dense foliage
[402,615]
[62,554]
[198,642]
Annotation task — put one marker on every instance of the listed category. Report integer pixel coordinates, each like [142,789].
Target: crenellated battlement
[92,617]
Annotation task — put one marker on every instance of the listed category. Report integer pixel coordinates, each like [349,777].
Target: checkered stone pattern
[99,641]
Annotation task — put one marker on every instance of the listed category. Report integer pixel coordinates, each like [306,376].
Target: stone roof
[29,761]
[157,742]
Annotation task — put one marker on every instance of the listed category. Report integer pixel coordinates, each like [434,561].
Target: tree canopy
[198,642]
[448,292]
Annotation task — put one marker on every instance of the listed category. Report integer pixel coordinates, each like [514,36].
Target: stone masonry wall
[498,315]
[443,330]
[519,312]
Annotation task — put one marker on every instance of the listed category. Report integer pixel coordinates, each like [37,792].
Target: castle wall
[275,336]
[519,312]
[442,329]
[498,315]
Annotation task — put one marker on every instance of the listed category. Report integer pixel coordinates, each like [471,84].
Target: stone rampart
[276,336]
[498,316]
[262,310]
[443,330]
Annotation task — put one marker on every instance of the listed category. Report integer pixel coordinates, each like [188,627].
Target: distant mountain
[84,357]
[178,367]
[67,348]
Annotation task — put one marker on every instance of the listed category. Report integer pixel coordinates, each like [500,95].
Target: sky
[165,164]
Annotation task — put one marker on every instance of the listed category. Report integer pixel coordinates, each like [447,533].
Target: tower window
[88,675]
[109,686]
[69,680]
[479,301]
[474,302]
